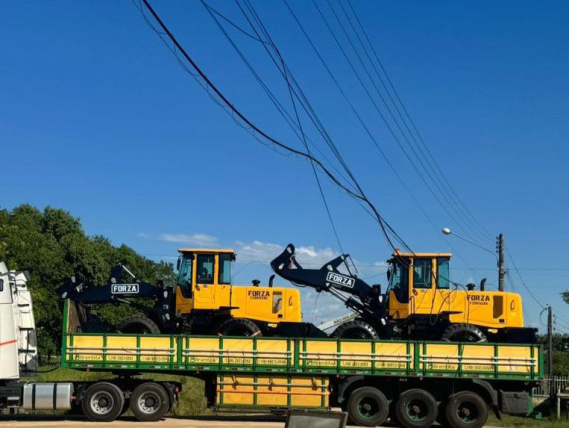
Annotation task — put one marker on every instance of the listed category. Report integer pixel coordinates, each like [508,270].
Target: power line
[522,280]
[434,193]
[385,227]
[408,116]
[286,72]
[297,90]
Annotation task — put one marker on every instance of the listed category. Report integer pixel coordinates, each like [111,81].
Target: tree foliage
[52,246]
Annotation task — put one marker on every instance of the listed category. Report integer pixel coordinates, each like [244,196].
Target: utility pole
[549,343]
[501,263]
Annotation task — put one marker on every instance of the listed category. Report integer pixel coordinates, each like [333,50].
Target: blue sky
[97,118]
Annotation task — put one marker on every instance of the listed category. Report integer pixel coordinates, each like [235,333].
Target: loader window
[443,274]
[224,269]
[205,266]
[422,273]
[277,302]
[185,277]
[399,282]
[185,273]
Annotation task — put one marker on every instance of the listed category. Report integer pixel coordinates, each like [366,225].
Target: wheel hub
[416,410]
[102,403]
[149,402]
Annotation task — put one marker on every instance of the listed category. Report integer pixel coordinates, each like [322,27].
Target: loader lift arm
[79,289]
[369,302]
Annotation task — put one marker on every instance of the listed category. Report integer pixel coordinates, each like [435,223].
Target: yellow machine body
[420,285]
[205,285]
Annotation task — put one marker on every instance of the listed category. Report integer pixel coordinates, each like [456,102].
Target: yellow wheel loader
[205,296]
[204,301]
[421,302]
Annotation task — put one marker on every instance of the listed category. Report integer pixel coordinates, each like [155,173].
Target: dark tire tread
[138,325]
[163,406]
[356,329]
[454,332]
[239,327]
[112,390]
[416,394]
[451,417]
[373,394]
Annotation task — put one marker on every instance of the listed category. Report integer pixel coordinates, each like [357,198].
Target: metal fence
[550,386]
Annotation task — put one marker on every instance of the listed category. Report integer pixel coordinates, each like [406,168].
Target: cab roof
[206,250]
[398,253]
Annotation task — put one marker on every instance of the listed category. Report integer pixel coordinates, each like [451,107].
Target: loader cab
[418,283]
[204,278]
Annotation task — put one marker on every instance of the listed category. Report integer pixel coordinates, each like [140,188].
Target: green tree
[52,245]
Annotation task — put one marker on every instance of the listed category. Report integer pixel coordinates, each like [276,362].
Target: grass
[513,421]
[192,401]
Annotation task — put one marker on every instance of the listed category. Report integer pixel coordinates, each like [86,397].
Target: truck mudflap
[515,403]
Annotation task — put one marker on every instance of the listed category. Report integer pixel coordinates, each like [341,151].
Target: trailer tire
[463,333]
[416,408]
[367,406]
[149,402]
[239,327]
[356,329]
[103,402]
[466,410]
[138,325]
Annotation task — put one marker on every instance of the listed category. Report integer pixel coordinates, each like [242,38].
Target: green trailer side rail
[92,352]
[303,356]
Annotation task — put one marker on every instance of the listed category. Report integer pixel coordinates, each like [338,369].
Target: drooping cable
[298,121]
[405,116]
[385,227]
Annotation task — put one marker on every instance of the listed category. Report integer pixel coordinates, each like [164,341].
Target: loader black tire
[138,325]
[356,329]
[239,327]
[463,333]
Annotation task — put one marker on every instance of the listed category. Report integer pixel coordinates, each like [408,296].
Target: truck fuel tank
[48,396]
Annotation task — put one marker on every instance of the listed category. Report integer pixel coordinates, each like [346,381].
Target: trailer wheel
[239,327]
[466,410]
[416,408]
[368,407]
[356,330]
[463,333]
[138,325]
[103,402]
[149,402]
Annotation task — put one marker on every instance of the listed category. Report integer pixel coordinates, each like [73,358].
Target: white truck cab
[18,350]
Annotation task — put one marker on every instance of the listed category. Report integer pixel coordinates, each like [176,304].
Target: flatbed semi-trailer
[414,382]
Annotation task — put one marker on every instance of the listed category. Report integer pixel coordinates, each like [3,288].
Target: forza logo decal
[124,289]
[343,280]
[478,299]
[258,294]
